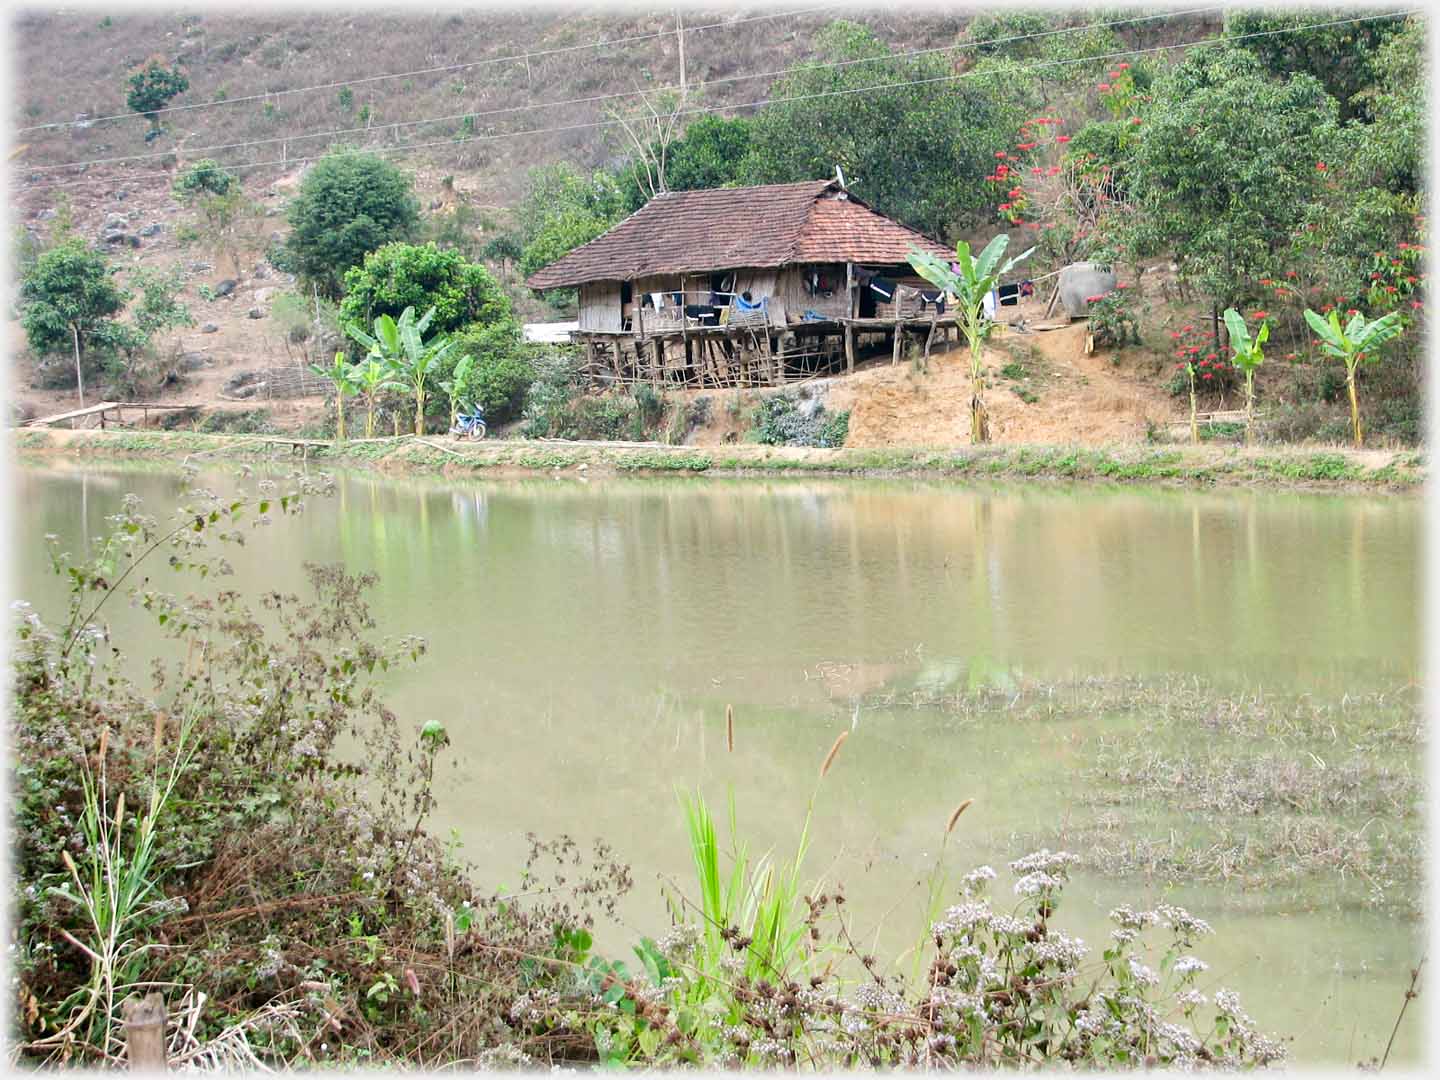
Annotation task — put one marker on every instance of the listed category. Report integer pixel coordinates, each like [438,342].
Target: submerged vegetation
[157,849]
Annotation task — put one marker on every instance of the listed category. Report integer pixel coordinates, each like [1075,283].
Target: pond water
[586,639]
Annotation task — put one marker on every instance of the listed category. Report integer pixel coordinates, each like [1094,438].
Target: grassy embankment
[1325,469]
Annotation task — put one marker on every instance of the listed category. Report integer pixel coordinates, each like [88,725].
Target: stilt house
[745,287]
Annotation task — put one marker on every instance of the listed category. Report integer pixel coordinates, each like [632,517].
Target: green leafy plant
[1353,344]
[974,281]
[341,377]
[374,377]
[152,87]
[400,345]
[1248,355]
[454,386]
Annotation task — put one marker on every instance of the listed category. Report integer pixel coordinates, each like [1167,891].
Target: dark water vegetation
[223,805]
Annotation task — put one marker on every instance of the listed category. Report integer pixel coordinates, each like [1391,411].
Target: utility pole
[680,36]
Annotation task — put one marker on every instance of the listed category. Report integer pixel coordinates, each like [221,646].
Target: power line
[270,95]
[782,100]
[396,125]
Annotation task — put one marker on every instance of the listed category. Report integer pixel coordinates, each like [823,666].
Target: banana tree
[373,377]
[1248,357]
[400,342]
[340,378]
[1358,340]
[975,280]
[455,385]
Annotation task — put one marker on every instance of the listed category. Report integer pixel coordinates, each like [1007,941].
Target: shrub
[152,87]
[422,276]
[349,204]
[785,420]
[205,177]
[500,373]
[1112,322]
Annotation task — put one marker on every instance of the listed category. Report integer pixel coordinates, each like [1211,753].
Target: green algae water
[1100,669]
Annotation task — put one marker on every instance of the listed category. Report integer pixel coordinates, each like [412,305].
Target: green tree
[1391,149]
[1342,56]
[918,153]
[205,177]
[565,208]
[1225,164]
[349,204]
[710,154]
[424,277]
[69,301]
[975,280]
[153,87]
[1356,342]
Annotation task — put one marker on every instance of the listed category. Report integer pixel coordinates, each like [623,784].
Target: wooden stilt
[895,349]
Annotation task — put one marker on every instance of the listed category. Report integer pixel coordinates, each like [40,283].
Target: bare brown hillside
[70,65]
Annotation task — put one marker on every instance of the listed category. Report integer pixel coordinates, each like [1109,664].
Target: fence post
[145,1032]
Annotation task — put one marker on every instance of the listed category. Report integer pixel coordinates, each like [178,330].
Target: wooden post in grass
[145,1032]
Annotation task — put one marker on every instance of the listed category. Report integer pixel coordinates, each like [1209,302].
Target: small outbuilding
[745,286]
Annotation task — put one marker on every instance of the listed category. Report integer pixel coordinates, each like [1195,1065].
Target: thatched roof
[726,228]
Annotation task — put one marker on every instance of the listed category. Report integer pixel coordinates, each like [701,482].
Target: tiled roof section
[728,228]
[844,230]
[691,231]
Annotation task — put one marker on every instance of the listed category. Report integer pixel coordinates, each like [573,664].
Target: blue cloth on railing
[811,315]
[883,287]
[741,304]
[932,296]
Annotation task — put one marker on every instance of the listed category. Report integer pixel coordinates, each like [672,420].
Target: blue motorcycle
[469,425]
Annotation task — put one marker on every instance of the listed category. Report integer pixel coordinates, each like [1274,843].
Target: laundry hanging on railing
[883,287]
[935,297]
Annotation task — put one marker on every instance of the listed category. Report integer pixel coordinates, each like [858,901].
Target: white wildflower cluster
[1000,923]
[1130,919]
[1045,861]
[974,882]
[504,1056]
[1190,965]
[1227,1003]
[1181,1039]
[963,1003]
[874,998]
[533,1006]
[1038,882]
[271,959]
[1124,936]
[1065,953]
[1191,999]
[962,919]
[1097,1022]
[1182,922]
[678,944]
[171,905]
[1142,974]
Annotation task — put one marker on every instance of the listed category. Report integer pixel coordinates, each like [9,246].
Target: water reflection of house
[744,286]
